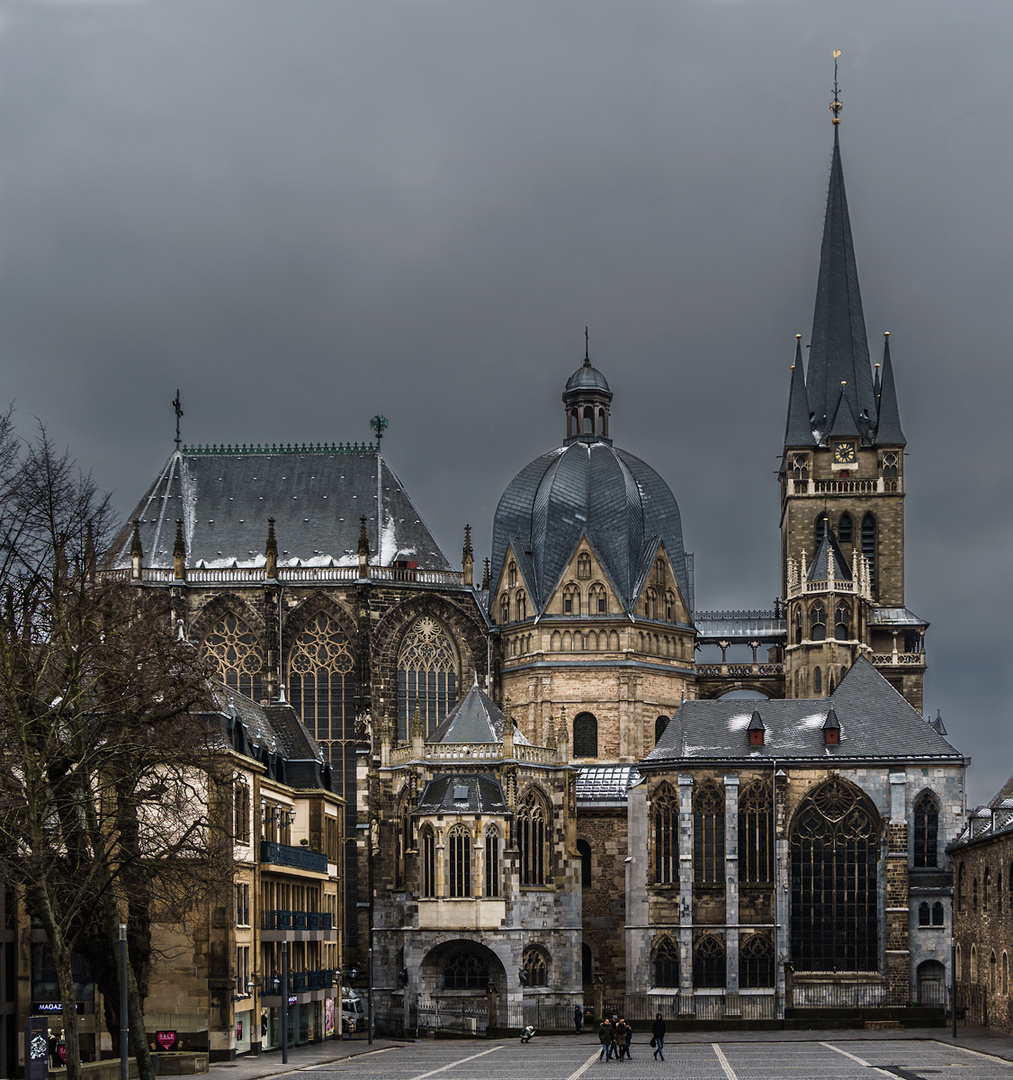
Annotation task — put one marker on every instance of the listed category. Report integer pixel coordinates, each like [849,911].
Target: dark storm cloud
[302,214]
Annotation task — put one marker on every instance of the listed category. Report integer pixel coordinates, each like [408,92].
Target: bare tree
[109,776]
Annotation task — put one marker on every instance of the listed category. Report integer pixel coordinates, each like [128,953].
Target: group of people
[615,1036]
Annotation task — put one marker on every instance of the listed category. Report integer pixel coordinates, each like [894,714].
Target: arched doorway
[931,983]
[462,985]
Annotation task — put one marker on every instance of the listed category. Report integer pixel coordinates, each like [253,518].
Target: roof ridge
[282,448]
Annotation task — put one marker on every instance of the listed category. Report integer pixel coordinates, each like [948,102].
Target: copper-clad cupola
[586,399]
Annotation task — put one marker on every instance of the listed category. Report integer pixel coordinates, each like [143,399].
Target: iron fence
[838,995]
[972,1004]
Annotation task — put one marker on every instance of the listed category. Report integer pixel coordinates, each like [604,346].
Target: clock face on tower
[844,453]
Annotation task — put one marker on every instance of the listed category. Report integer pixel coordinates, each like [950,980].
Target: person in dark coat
[625,1039]
[578,1018]
[658,1035]
[605,1038]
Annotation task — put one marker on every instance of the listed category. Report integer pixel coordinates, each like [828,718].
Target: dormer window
[831,729]
[756,730]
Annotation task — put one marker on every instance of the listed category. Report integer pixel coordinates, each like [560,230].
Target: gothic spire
[797,429]
[888,431]
[839,350]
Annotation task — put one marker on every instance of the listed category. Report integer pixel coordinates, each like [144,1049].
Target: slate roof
[273,735]
[462,793]
[315,496]
[892,616]
[588,487]
[837,396]
[839,351]
[876,723]
[476,718]
[819,568]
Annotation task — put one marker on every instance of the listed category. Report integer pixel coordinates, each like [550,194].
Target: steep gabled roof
[797,428]
[828,549]
[316,496]
[476,718]
[876,722]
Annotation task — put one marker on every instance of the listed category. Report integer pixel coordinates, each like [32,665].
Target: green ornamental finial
[379,425]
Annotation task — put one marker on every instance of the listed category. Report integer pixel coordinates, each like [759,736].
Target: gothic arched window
[522,605]
[535,966]
[459,862]
[841,619]
[650,604]
[504,609]
[666,963]
[709,962]
[492,872]
[428,845]
[924,914]
[798,633]
[235,650]
[584,850]
[659,728]
[926,830]
[426,675]
[959,897]
[665,809]
[799,468]
[974,963]
[756,833]
[817,623]
[585,735]
[466,970]
[321,684]
[571,600]
[986,889]
[845,529]
[532,836]
[820,530]
[597,600]
[817,681]
[869,547]
[669,606]
[938,914]
[756,963]
[708,834]
[834,864]
[512,574]
[584,566]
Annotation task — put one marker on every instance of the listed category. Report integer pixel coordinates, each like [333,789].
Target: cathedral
[551,798]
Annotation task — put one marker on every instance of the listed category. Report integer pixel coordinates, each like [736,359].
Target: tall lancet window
[532,836]
[427,669]
[834,863]
[235,650]
[321,687]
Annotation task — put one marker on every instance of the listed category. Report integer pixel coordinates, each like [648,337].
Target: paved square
[557,1058]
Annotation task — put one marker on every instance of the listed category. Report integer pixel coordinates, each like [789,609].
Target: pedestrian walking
[605,1038]
[658,1037]
[627,1039]
[578,1018]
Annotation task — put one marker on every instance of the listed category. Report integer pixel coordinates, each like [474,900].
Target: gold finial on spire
[835,105]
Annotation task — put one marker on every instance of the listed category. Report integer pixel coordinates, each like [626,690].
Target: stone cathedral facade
[549,792]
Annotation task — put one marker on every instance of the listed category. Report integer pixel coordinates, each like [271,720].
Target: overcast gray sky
[303,213]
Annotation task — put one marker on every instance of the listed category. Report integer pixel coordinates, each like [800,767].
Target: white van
[353,1012]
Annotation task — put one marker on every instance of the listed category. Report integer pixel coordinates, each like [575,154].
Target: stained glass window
[709,962]
[926,830]
[834,861]
[532,839]
[427,669]
[756,962]
[666,963]
[756,833]
[709,834]
[665,807]
[233,647]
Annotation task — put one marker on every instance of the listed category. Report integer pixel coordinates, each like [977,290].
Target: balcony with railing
[296,920]
[299,858]
[295,575]
[299,982]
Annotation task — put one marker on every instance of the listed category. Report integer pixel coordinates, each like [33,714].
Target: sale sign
[165,1039]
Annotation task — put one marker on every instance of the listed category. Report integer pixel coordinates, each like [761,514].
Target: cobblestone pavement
[839,1056]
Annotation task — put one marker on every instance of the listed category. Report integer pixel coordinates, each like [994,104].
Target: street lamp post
[284,1003]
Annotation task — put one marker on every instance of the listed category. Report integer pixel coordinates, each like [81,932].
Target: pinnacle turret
[888,430]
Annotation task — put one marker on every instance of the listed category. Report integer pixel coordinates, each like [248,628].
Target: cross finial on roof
[178,410]
[835,105]
[587,353]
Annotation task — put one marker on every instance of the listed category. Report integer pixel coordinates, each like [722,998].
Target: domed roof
[591,487]
[587,377]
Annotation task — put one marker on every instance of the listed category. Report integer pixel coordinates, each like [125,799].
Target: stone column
[898,951]
[732,1006]
[782,929]
[687,1006]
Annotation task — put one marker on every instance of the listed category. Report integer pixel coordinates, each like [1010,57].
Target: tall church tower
[842,489]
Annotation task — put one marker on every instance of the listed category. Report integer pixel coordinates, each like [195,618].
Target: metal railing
[288,855]
[295,920]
